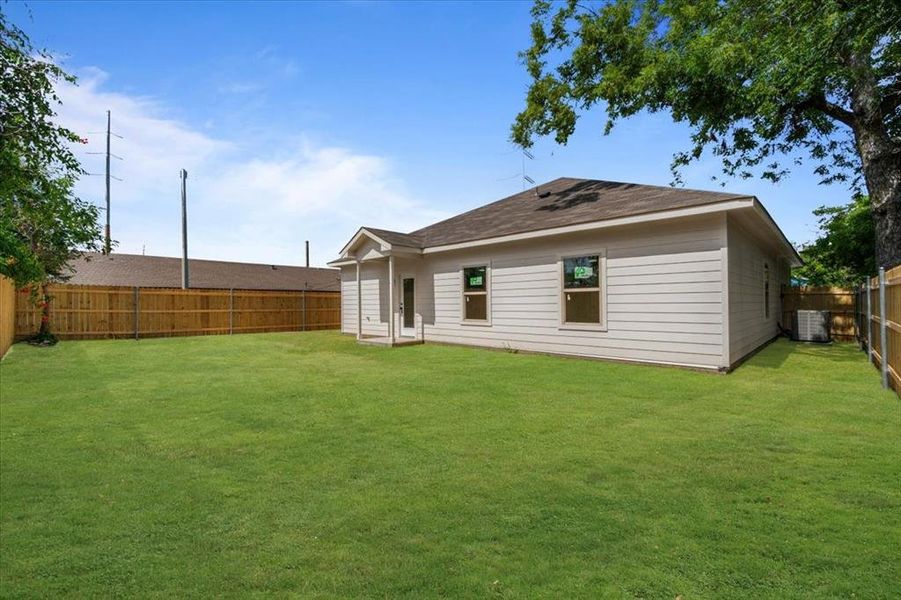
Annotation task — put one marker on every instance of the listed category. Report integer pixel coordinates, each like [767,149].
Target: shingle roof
[561,202]
[396,237]
[163,271]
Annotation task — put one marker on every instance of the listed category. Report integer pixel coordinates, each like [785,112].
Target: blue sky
[304,121]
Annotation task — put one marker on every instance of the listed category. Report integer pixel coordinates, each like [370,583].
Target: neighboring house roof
[165,272]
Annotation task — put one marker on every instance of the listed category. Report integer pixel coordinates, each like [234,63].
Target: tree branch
[830,109]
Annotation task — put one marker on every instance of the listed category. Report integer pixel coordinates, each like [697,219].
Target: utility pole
[106,241]
[184,230]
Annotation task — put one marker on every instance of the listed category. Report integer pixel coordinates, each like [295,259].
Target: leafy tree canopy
[42,224]
[842,255]
[756,80]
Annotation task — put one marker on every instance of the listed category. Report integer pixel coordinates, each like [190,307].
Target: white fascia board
[361,233]
[341,262]
[794,258]
[595,225]
[374,254]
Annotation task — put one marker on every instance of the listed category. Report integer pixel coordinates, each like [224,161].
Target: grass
[304,464]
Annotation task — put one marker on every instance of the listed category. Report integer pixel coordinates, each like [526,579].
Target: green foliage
[306,465]
[755,79]
[42,224]
[843,254]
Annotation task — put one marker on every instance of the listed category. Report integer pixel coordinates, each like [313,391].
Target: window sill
[475,323]
[582,327]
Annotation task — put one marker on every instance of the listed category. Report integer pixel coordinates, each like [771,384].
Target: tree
[53,226]
[755,80]
[842,255]
[42,224]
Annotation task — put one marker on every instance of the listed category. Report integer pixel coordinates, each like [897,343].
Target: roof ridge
[511,196]
[93,255]
[368,228]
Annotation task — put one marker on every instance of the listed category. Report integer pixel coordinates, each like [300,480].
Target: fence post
[231,311]
[860,315]
[869,285]
[137,311]
[304,317]
[883,338]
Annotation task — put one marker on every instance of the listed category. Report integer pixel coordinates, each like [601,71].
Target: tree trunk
[45,312]
[880,156]
[887,217]
[882,171]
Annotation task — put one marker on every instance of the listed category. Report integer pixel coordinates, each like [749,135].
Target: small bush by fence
[91,312]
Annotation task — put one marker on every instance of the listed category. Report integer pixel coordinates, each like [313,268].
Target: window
[766,291]
[475,294]
[582,290]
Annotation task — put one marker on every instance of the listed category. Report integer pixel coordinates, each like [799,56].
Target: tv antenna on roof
[525,178]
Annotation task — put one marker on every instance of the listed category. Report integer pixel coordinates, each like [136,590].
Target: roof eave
[701,209]
[794,259]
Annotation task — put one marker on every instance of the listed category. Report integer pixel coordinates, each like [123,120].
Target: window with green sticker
[475,293]
[474,279]
[582,290]
[580,272]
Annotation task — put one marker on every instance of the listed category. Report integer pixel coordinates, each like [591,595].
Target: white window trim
[475,322]
[602,282]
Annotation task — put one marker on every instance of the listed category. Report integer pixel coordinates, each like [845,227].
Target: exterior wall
[374,283]
[748,326]
[663,294]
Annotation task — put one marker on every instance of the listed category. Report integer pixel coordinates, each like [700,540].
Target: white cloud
[241,206]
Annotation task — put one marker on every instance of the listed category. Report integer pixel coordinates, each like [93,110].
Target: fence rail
[91,312]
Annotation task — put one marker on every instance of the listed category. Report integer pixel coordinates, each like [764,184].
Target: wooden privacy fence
[879,324]
[839,301]
[7,314]
[90,312]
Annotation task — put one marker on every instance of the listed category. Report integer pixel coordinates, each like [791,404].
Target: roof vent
[273,267]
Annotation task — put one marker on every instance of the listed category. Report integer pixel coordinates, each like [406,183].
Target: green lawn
[305,464]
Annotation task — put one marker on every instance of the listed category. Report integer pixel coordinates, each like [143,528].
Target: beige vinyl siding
[663,294]
[374,285]
[748,326]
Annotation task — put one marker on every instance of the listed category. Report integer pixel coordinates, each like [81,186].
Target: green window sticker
[475,281]
[582,272]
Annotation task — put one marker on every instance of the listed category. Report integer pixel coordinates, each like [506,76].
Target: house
[165,272]
[579,267]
